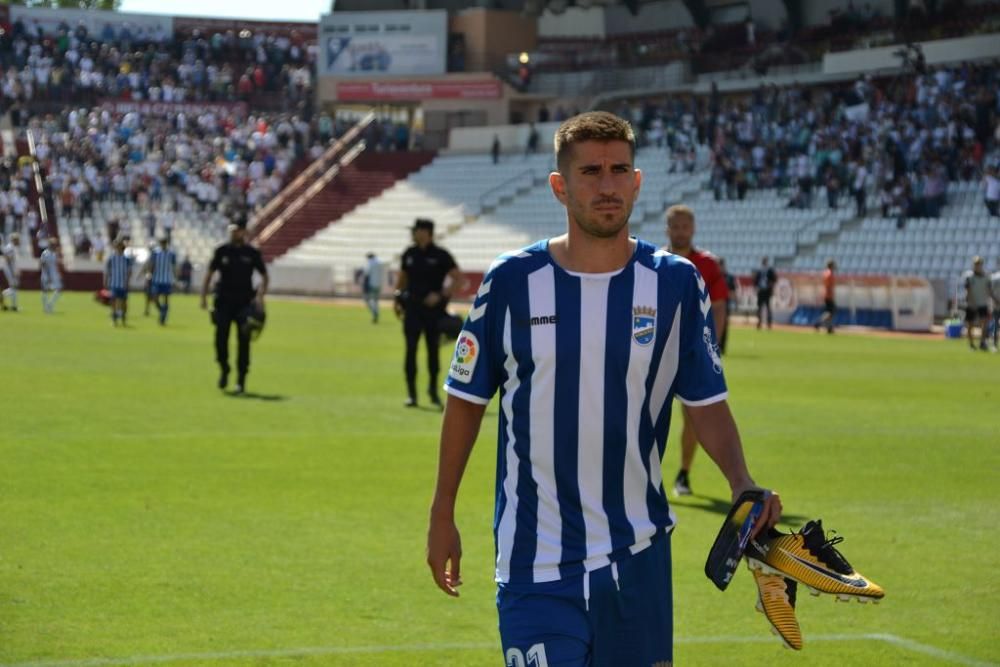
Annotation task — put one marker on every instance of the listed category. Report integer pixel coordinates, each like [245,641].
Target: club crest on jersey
[464,362]
[643,324]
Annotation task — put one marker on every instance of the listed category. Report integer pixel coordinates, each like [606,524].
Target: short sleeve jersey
[708,266]
[426,269]
[586,366]
[236,264]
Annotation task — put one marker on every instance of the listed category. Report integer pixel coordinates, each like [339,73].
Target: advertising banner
[375,91]
[367,44]
[382,54]
[159,108]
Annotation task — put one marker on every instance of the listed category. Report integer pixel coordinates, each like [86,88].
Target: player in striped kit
[587,336]
[51,280]
[11,275]
[117,271]
[162,268]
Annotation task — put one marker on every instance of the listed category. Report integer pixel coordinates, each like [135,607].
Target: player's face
[598,187]
[680,232]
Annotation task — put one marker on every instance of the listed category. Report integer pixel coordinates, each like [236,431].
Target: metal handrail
[42,210]
[307,173]
[311,192]
[504,183]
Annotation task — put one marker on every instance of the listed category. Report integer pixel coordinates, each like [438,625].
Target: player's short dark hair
[591,126]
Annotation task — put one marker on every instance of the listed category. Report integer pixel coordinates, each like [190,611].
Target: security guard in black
[235,263]
[422,298]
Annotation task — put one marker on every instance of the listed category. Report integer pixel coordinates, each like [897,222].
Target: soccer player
[680,233]
[587,337]
[162,268]
[117,271]
[51,280]
[829,298]
[764,279]
[422,294]
[995,295]
[977,302]
[372,284]
[10,271]
[235,262]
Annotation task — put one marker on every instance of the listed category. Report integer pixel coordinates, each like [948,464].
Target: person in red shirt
[680,233]
[829,304]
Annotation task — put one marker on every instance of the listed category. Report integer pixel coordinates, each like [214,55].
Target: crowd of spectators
[898,141]
[177,164]
[73,66]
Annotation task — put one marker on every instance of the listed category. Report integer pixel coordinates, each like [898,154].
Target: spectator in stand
[991,183]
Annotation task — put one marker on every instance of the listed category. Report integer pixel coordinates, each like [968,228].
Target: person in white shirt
[50,276]
[995,296]
[992,184]
[372,284]
[10,272]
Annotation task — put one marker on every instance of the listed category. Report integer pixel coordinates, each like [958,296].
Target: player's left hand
[771,513]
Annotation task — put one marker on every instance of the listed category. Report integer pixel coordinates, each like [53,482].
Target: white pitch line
[934,651]
[901,642]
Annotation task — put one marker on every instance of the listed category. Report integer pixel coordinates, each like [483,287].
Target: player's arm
[455,282]
[204,287]
[459,430]
[716,430]
[402,282]
[264,279]
[719,317]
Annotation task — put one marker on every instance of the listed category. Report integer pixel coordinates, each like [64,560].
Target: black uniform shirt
[426,270]
[236,264]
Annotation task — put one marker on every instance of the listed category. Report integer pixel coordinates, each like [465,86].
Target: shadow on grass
[252,395]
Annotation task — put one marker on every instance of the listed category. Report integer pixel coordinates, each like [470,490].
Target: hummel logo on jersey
[713,350]
[542,319]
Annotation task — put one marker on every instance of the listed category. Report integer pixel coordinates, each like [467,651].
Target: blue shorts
[119,293]
[162,288]
[619,615]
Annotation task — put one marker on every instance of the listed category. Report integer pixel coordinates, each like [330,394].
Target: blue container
[953,330]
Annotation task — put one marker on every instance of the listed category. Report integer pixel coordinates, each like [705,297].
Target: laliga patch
[463,364]
[643,324]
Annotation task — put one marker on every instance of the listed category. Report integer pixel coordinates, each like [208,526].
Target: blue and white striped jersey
[163,263]
[48,264]
[586,365]
[117,270]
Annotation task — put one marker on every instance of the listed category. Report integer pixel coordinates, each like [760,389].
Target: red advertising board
[372,91]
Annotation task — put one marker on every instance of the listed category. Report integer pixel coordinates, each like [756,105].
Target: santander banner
[377,91]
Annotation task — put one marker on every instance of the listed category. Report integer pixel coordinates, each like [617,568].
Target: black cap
[423,223]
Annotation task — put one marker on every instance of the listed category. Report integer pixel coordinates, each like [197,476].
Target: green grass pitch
[147,518]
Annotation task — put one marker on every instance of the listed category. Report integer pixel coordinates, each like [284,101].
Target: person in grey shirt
[977,301]
[995,293]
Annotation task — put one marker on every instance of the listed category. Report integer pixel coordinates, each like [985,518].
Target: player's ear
[638,183]
[558,184]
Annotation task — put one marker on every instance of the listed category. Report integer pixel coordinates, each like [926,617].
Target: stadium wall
[977,47]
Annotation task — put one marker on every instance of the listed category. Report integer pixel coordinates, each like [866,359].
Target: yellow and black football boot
[776,600]
[811,559]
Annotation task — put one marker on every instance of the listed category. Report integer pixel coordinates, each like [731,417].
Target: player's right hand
[444,555]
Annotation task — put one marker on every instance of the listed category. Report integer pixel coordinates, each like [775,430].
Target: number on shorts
[535,657]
